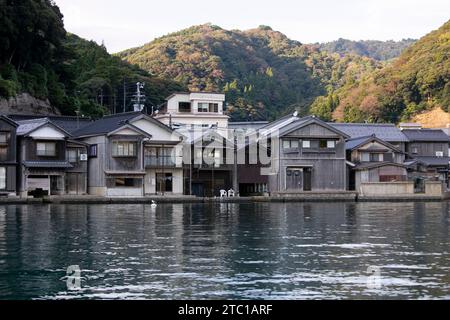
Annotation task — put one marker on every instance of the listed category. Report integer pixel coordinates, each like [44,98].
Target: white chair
[231,193]
[223,193]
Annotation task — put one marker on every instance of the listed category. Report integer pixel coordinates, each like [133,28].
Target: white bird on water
[153,205]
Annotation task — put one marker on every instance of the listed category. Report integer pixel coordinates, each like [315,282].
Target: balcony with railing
[159,157]
[165,161]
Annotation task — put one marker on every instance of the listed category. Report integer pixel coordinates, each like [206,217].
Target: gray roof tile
[431,135]
[386,132]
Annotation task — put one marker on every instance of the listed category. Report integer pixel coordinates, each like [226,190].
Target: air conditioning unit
[83,157]
[439,153]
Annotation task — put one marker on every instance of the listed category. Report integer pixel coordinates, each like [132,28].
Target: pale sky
[129,23]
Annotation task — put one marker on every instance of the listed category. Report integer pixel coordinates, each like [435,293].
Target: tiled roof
[68,123]
[386,132]
[431,135]
[350,144]
[26,126]
[371,165]
[47,164]
[433,161]
[253,125]
[106,124]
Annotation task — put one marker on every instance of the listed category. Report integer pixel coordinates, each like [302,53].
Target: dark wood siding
[30,150]
[428,148]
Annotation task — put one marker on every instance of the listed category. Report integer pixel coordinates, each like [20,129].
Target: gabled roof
[429,135]
[131,127]
[372,165]
[192,138]
[295,125]
[68,123]
[384,131]
[111,123]
[277,124]
[355,143]
[432,161]
[27,127]
[9,120]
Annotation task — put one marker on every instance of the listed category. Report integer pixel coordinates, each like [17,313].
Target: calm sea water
[227,251]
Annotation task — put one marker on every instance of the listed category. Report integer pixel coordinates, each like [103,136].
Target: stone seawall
[316,197]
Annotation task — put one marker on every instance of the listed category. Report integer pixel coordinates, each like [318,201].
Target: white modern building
[194,109]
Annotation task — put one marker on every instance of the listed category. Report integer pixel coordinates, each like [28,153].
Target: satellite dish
[295,113]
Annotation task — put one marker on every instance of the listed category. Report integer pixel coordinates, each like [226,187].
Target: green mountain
[378,50]
[263,73]
[39,57]
[418,80]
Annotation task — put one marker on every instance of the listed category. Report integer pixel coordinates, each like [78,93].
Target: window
[306,144]
[376,157]
[184,107]
[93,151]
[388,157]
[203,107]
[439,154]
[4,138]
[414,150]
[3,153]
[322,144]
[208,107]
[2,178]
[127,182]
[214,107]
[124,149]
[331,144]
[290,144]
[72,155]
[46,149]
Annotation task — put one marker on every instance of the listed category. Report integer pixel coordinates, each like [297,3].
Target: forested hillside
[263,73]
[415,82]
[38,57]
[378,50]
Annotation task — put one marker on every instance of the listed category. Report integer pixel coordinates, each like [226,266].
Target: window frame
[77,155]
[7,136]
[203,107]
[46,151]
[184,109]
[124,145]
[306,144]
[91,152]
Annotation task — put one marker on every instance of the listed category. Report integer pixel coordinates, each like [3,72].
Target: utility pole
[139,98]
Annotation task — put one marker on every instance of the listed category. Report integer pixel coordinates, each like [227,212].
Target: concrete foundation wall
[434,188]
[392,189]
[124,192]
[386,188]
[97,191]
